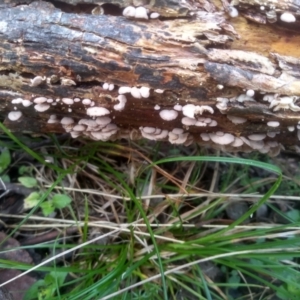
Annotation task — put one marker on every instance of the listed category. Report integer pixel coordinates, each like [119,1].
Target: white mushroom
[86,101]
[201,124]
[287,17]
[66,121]
[232,11]
[213,123]
[205,137]
[96,111]
[122,101]
[14,115]
[105,86]
[250,93]
[67,101]
[225,139]
[257,145]
[75,134]
[135,92]
[201,109]
[129,11]
[237,142]
[177,139]
[124,90]
[273,123]
[37,80]
[41,107]
[177,107]
[189,110]
[244,97]
[88,122]
[79,127]
[141,13]
[102,121]
[149,129]
[154,15]
[40,100]
[26,103]
[236,120]
[145,92]
[52,119]
[157,135]
[188,121]
[17,101]
[168,114]
[257,137]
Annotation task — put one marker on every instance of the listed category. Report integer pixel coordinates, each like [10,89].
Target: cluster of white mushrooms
[270,13]
[139,12]
[98,122]
[253,141]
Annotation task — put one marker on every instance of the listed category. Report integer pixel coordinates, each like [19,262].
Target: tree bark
[240,76]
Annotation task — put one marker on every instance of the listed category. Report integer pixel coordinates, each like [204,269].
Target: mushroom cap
[273,123]
[17,101]
[205,136]
[97,111]
[141,13]
[188,121]
[148,129]
[14,115]
[145,91]
[135,92]
[86,101]
[168,114]
[236,120]
[257,137]
[40,100]
[26,103]
[66,121]
[213,123]
[189,110]
[124,89]
[103,120]
[287,17]
[67,101]
[129,11]
[237,142]
[177,107]
[41,107]
[224,139]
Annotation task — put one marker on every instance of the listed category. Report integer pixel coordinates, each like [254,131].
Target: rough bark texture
[194,52]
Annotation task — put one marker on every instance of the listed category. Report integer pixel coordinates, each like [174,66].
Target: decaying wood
[194,52]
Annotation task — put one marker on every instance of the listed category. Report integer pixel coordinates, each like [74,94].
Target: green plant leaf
[32,200]
[24,169]
[33,291]
[28,182]
[61,201]
[47,208]
[293,214]
[5,178]
[4,159]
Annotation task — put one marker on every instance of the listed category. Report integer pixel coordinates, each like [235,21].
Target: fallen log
[219,74]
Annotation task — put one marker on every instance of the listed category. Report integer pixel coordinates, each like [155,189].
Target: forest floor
[142,220]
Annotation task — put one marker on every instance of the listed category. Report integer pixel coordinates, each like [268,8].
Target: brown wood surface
[191,51]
